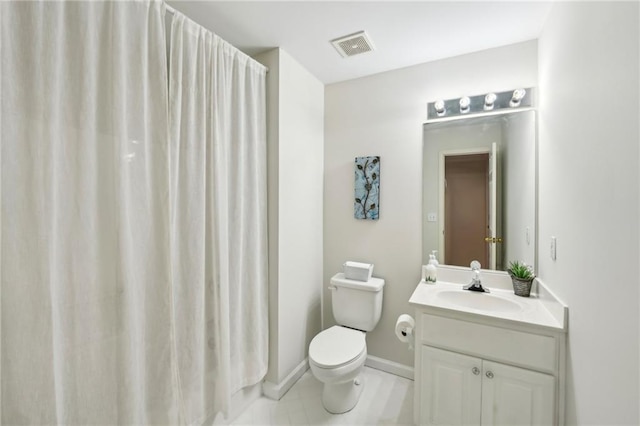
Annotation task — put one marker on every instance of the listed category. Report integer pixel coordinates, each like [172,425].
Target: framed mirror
[479,185]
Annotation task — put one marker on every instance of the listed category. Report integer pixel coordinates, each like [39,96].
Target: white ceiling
[403,33]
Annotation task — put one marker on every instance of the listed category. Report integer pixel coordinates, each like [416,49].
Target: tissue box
[357,271]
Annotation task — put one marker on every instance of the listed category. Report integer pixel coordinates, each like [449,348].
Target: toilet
[337,354]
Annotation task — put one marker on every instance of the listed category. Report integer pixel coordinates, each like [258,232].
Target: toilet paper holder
[404,329]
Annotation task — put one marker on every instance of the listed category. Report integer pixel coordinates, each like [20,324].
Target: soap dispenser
[432,268]
[432,258]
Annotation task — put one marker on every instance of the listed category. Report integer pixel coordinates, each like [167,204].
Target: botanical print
[367,188]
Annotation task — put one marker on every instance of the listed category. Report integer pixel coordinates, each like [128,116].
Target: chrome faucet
[476,284]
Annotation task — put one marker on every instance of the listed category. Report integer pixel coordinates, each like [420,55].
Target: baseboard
[389,367]
[277,390]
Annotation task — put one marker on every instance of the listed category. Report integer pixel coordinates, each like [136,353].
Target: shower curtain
[85,247]
[219,217]
[124,271]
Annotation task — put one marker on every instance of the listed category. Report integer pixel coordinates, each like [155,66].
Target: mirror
[479,190]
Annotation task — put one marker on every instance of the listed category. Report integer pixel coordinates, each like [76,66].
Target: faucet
[476,284]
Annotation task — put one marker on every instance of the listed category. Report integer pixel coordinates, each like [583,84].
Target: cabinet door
[450,385]
[515,396]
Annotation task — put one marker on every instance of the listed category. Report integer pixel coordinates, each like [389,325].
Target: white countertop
[533,311]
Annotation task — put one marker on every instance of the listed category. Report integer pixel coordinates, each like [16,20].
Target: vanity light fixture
[517,97]
[487,103]
[465,103]
[489,100]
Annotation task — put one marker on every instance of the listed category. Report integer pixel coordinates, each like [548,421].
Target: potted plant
[522,277]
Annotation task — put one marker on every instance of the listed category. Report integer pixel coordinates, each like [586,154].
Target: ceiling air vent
[353,44]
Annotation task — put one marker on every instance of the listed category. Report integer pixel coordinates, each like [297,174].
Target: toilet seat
[336,346]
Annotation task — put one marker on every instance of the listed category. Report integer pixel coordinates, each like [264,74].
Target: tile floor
[386,400]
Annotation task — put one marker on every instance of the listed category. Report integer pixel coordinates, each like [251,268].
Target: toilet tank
[356,304]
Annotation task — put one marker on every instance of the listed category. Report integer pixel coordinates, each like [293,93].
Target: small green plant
[520,270]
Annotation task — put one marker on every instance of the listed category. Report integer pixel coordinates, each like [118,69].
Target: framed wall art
[367,188]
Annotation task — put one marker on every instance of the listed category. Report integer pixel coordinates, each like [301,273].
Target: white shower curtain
[219,217]
[85,228]
[133,258]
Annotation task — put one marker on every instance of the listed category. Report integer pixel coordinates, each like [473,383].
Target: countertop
[535,311]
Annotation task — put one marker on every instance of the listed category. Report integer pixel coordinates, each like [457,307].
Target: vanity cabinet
[473,370]
[458,389]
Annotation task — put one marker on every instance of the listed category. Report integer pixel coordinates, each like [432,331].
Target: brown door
[466,206]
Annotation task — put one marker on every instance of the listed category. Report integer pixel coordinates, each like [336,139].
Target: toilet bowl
[336,357]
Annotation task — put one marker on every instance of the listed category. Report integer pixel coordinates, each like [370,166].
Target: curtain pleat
[218,218]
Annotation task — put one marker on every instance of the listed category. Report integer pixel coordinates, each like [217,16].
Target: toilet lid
[336,346]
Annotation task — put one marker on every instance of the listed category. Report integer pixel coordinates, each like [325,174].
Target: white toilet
[337,355]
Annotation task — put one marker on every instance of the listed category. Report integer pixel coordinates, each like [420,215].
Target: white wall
[295,117]
[383,115]
[588,199]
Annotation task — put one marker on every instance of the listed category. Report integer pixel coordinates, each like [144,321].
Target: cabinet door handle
[489,374]
[475,370]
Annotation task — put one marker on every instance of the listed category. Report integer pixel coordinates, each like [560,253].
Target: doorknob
[475,370]
[493,240]
[489,374]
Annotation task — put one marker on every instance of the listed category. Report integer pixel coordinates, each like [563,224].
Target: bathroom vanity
[488,358]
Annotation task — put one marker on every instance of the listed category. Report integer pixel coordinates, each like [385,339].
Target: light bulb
[517,96]
[464,104]
[489,100]
[439,107]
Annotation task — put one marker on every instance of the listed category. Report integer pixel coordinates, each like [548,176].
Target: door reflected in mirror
[465,189]
[479,190]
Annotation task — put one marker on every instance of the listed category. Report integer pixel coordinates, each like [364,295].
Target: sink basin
[480,301]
